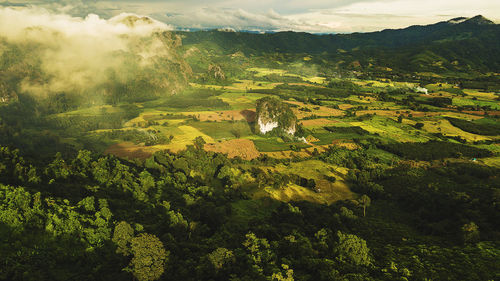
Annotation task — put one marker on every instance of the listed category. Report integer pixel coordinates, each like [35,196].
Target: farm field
[229,127]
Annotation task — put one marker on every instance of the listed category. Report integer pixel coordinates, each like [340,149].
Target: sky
[315,16]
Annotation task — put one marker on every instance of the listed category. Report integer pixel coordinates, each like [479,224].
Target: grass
[495,148]
[491,161]
[273,144]
[311,169]
[327,137]
[390,129]
[495,105]
[481,95]
[183,138]
[240,101]
[293,192]
[316,79]
[92,111]
[444,127]
[223,130]
[462,101]
[261,71]
[243,211]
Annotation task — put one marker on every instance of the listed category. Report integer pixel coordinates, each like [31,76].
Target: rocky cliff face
[272,114]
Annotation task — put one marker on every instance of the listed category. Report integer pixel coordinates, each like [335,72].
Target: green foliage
[82,123]
[365,202]
[191,215]
[199,142]
[477,127]
[352,249]
[122,236]
[347,158]
[258,251]
[433,150]
[221,257]
[419,125]
[288,276]
[204,98]
[470,232]
[87,203]
[348,130]
[148,137]
[149,257]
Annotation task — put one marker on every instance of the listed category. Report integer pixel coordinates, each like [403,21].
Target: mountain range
[459,44]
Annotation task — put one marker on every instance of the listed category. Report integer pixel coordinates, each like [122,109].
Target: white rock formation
[290,130]
[265,127]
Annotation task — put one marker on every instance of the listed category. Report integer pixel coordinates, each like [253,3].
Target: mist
[121,58]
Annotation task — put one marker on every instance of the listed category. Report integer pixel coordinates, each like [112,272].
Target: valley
[221,155]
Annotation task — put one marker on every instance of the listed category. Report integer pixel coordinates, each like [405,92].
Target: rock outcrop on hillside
[215,71]
[273,114]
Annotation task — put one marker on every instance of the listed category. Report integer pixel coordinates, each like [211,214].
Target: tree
[347,213]
[470,232]
[147,182]
[82,162]
[258,250]
[400,119]
[199,142]
[149,257]
[58,168]
[87,203]
[353,250]
[236,132]
[279,275]
[221,256]
[121,237]
[365,202]
[419,125]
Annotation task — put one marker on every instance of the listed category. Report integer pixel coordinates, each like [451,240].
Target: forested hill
[473,43]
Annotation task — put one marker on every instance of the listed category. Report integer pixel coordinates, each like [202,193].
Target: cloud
[264,15]
[78,54]
[238,19]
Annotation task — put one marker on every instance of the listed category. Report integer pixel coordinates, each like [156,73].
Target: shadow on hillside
[249,115]
[250,118]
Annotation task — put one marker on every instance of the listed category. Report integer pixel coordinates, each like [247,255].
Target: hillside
[141,62]
[409,48]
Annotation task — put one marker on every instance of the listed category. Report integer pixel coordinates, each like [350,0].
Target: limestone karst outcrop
[273,114]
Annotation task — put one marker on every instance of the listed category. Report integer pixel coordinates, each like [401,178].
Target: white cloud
[79,53]
[90,26]
[312,15]
[318,15]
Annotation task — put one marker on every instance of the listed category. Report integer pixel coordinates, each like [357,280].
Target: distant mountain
[479,20]
[460,44]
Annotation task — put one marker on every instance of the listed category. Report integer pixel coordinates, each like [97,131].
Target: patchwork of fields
[225,118]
